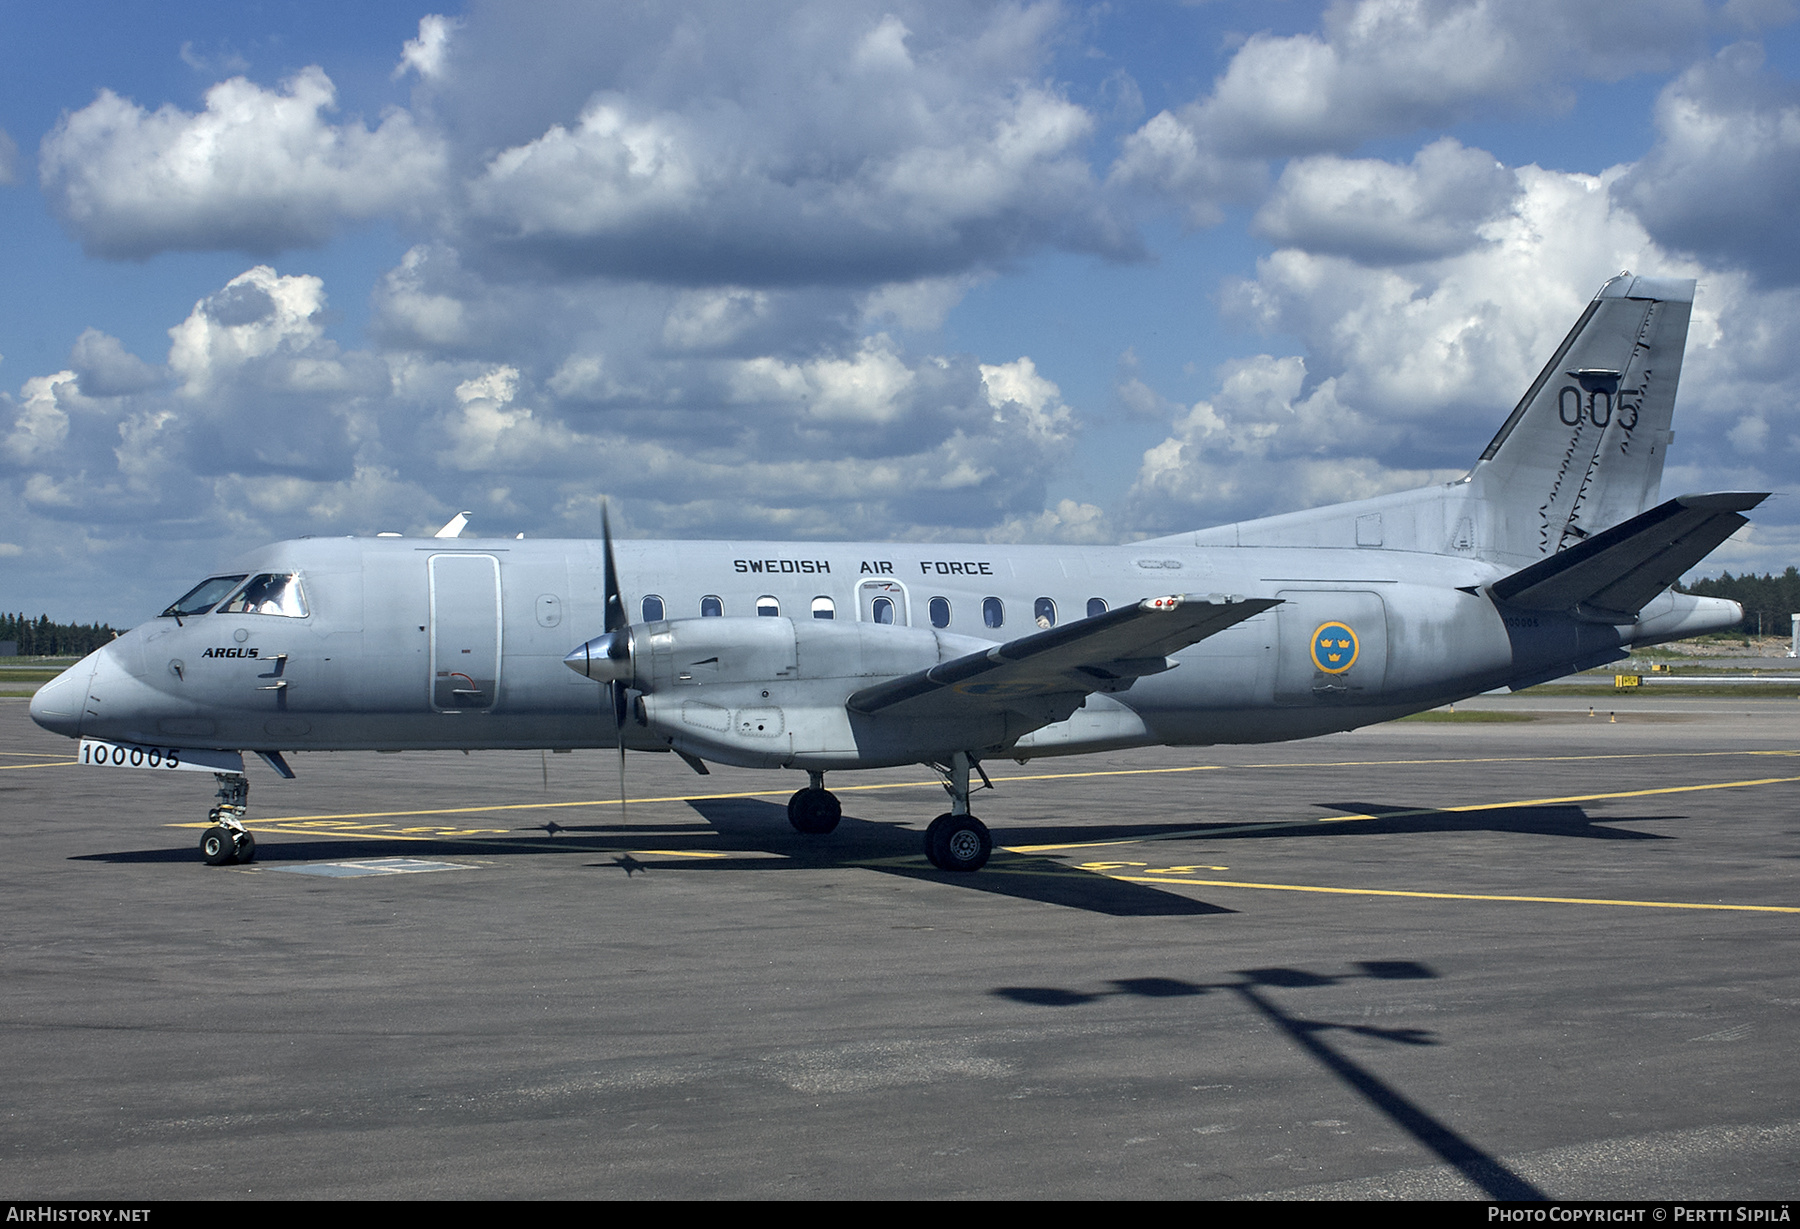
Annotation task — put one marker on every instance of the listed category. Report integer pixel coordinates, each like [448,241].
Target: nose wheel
[222,846]
[228,841]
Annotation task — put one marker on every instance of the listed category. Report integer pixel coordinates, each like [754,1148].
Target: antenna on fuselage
[453,527]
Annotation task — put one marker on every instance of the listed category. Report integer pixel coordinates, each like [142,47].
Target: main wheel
[814,811]
[217,846]
[933,838]
[958,843]
[245,845]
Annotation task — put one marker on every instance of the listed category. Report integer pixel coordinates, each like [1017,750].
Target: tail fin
[1583,451]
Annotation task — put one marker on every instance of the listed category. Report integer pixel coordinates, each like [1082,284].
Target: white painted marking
[372,866]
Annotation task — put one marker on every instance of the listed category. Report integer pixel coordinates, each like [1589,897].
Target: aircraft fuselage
[425,643]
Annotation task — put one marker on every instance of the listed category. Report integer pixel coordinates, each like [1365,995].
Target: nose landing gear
[228,841]
[814,810]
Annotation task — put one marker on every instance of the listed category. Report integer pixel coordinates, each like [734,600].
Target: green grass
[26,673]
[1477,715]
[1746,691]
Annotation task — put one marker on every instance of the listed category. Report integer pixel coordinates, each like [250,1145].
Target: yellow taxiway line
[344,825]
[1538,900]
[1047,776]
[1191,834]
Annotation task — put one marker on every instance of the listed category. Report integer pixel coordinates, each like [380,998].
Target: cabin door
[465,632]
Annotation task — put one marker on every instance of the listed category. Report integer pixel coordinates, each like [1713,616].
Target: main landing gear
[814,810]
[228,841]
[956,840]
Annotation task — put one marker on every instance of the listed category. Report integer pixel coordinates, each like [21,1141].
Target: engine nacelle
[770,692]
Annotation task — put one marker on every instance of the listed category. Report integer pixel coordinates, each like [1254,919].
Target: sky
[893,271]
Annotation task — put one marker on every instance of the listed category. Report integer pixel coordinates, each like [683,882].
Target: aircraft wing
[1613,574]
[1107,652]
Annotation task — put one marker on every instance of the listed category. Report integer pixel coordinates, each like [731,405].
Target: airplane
[1552,555]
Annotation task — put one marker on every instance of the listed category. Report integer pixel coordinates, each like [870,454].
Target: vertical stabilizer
[1584,449]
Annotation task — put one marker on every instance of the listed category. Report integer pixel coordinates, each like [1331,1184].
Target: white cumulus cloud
[1377,212]
[258,170]
[815,143]
[1379,68]
[1723,180]
[425,54]
[1389,66]
[40,423]
[1408,371]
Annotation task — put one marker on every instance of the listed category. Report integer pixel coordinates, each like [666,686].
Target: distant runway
[1450,959]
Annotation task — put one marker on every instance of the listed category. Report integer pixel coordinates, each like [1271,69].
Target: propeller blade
[615,600]
[618,690]
[619,707]
[616,622]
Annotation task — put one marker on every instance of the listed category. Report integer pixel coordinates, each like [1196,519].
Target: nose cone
[605,658]
[58,704]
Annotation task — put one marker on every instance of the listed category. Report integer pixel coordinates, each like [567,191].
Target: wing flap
[1104,653]
[1614,574]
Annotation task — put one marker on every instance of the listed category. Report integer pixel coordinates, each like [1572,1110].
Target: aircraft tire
[958,843]
[217,846]
[933,837]
[246,847]
[814,811]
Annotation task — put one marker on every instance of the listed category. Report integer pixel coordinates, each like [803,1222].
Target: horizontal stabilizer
[1107,652]
[1612,575]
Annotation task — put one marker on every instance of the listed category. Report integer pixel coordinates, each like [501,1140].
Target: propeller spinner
[605,659]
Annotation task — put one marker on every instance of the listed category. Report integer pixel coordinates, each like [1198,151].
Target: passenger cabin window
[883,610]
[1096,606]
[203,596]
[711,607]
[824,608]
[270,593]
[940,612]
[768,606]
[653,607]
[993,612]
[1044,612]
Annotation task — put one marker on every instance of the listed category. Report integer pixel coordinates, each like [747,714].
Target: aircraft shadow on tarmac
[1254,986]
[750,827]
[894,850]
[1555,820]
[757,828]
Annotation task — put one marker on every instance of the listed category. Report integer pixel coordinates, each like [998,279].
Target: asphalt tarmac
[1460,959]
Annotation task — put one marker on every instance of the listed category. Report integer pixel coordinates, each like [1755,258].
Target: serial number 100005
[100,754]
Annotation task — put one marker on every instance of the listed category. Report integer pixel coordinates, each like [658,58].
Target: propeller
[618,648]
[607,657]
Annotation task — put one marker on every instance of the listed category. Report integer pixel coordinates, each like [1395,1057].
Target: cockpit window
[203,596]
[270,593]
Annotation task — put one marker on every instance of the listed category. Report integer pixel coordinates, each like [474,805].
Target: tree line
[1768,599]
[40,637]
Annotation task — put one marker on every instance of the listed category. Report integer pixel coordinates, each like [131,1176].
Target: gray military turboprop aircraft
[1551,556]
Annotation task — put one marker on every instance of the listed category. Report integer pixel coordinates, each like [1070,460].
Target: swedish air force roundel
[1334,647]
